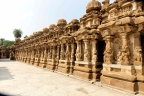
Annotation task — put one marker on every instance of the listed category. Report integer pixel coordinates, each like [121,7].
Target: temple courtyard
[20,79]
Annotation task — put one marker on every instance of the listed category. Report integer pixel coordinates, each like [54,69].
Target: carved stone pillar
[87,54]
[94,51]
[138,61]
[38,53]
[67,52]
[125,55]
[32,54]
[35,53]
[108,54]
[54,53]
[72,51]
[78,53]
[49,53]
[45,53]
[62,57]
[26,52]
[41,52]
[137,50]
[58,52]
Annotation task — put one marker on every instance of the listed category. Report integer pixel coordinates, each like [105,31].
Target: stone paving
[19,79]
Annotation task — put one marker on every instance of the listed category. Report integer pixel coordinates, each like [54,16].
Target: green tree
[17,33]
[6,43]
[1,41]
[25,36]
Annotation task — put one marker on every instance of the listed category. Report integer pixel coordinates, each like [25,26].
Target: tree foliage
[2,41]
[6,43]
[25,36]
[17,33]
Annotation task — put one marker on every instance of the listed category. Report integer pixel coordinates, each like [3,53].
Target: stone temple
[105,45]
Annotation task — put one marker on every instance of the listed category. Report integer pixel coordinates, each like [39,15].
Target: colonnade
[106,45]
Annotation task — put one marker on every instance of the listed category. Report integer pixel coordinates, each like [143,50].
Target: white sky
[34,15]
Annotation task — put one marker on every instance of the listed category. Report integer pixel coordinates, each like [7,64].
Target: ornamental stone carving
[108,56]
[78,56]
[50,55]
[94,58]
[138,54]
[67,55]
[125,56]
[87,55]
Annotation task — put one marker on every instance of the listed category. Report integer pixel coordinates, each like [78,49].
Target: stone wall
[4,52]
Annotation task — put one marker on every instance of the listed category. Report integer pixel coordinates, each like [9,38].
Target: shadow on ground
[1,94]
[6,60]
[5,74]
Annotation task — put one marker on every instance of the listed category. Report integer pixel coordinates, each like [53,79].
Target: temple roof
[61,22]
[93,5]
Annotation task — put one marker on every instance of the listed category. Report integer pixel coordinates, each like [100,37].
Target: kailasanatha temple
[104,45]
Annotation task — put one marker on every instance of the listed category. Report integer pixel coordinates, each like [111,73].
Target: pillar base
[28,60]
[25,59]
[50,64]
[37,61]
[63,66]
[32,61]
[120,84]
[141,87]
[71,67]
[83,75]
[51,67]
[83,70]
[42,63]
[120,76]
[96,69]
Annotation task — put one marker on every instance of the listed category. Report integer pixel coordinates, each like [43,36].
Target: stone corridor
[20,79]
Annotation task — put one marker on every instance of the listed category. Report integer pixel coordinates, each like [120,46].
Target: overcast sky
[34,15]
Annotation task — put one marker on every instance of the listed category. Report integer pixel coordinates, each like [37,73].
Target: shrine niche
[106,45]
[67,48]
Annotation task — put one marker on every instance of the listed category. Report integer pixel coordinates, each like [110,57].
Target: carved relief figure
[94,58]
[50,55]
[87,55]
[62,55]
[119,56]
[78,56]
[138,54]
[108,56]
[45,54]
[67,54]
[125,56]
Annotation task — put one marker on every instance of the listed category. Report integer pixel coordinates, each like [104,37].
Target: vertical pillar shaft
[108,54]
[58,52]
[62,52]
[125,56]
[86,51]
[67,52]
[72,51]
[94,51]
[78,53]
